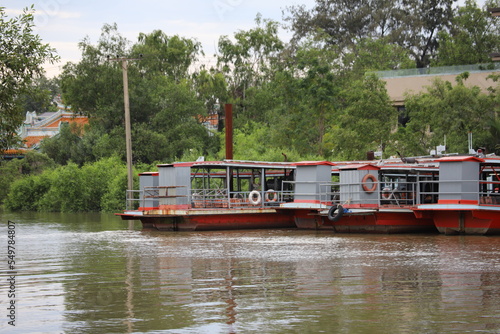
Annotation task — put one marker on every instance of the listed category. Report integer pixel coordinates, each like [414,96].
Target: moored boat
[468,196]
[213,195]
[362,197]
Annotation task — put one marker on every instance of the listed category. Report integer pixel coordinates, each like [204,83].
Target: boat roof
[314,163]
[232,163]
[459,158]
[150,173]
[360,167]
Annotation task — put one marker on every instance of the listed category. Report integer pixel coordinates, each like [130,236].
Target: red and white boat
[213,196]
[468,198]
[362,197]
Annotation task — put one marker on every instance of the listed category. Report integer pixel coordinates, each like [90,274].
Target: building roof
[415,80]
[68,119]
[30,141]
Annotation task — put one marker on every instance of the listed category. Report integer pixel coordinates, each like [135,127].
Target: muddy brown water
[93,273]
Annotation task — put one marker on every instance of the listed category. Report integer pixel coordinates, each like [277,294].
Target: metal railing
[394,193]
[205,198]
[134,200]
[222,198]
[485,192]
[390,194]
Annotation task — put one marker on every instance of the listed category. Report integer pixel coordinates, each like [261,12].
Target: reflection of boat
[214,195]
[467,193]
[367,196]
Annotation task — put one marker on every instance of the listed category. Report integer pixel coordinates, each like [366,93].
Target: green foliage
[473,36]
[113,200]
[248,60]
[22,55]
[377,55]
[366,121]
[451,112]
[412,24]
[167,55]
[25,193]
[67,145]
[33,164]
[99,186]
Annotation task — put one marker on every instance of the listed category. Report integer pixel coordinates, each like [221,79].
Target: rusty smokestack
[229,131]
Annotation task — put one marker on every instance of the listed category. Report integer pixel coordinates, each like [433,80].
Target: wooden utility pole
[128,130]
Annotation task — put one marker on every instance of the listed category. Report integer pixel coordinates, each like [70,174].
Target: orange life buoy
[364,184]
[271,196]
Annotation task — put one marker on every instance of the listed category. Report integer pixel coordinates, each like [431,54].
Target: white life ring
[270,193]
[254,197]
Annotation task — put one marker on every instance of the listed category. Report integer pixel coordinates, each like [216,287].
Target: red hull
[373,222]
[382,222]
[479,222]
[207,222]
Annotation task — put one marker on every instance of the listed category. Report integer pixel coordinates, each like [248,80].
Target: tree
[169,55]
[94,86]
[165,110]
[377,55]
[300,103]
[22,54]
[452,112]
[473,36]
[366,121]
[43,92]
[411,24]
[66,146]
[247,61]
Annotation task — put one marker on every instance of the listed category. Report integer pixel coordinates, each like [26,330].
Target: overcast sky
[64,23]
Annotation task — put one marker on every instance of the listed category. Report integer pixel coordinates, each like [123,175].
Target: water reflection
[90,274]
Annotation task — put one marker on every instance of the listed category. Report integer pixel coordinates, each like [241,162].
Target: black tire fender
[335,213]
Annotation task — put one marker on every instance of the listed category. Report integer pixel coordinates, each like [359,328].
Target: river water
[93,273]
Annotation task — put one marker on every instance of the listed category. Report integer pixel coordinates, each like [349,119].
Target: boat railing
[389,194]
[490,193]
[483,192]
[135,199]
[222,198]
[208,198]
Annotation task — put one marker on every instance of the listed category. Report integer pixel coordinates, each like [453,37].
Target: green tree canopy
[474,34]
[411,24]
[447,113]
[22,55]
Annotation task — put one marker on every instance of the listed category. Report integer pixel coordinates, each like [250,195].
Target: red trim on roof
[460,158]
[360,167]
[314,163]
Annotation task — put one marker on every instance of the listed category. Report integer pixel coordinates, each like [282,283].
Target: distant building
[415,80]
[37,127]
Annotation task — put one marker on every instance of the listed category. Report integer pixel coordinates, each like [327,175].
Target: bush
[25,193]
